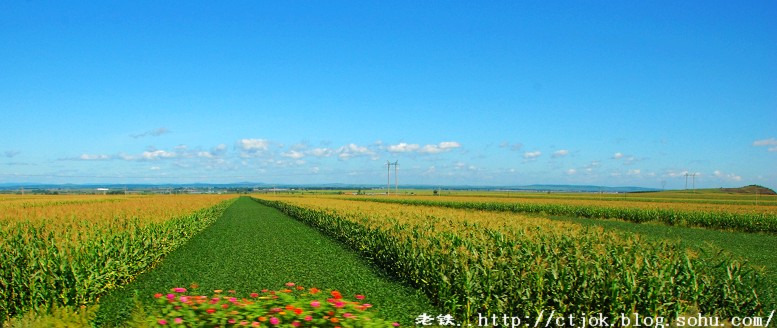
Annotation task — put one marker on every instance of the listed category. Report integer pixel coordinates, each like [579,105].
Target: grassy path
[253,247]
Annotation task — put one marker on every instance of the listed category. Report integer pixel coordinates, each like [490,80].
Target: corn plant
[478,262]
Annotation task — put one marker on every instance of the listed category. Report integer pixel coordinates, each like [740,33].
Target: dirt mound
[751,189]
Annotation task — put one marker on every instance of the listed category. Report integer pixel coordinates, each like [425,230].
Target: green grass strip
[253,247]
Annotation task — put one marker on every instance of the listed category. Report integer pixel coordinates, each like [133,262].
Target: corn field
[495,262]
[71,251]
[722,220]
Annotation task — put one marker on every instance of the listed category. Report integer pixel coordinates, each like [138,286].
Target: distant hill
[750,190]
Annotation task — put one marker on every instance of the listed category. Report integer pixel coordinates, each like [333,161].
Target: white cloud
[627,160]
[771,143]
[728,176]
[353,150]
[153,133]
[403,148]
[560,153]
[765,142]
[293,154]
[320,152]
[449,145]
[254,144]
[589,169]
[635,172]
[439,148]
[571,172]
[217,151]
[157,154]
[530,155]
[253,147]
[94,157]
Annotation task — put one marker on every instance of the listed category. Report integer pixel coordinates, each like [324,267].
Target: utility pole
[388,177]
[396,184]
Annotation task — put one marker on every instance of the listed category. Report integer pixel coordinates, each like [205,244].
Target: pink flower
[162,322]
[171,296]
[347,315]
[255,324]
[214,300]
[339,304]
[184,299]
[179,290]
[254,295]
[308,318]
[315,304]
[360,297]
[274,321]
[178,321]
[295,324]
[243,323]
[231,321]
[290,284]
[396,324]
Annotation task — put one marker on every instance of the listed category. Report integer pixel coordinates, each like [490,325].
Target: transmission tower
[388,177]
[396,184]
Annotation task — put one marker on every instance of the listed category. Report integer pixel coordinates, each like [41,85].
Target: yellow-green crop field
[69,250]
[473,256]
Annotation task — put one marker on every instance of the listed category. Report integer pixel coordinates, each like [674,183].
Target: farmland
[70,250]
[467,254]
[472,259]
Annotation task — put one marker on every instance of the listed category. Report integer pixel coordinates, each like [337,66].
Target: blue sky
[610,93]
